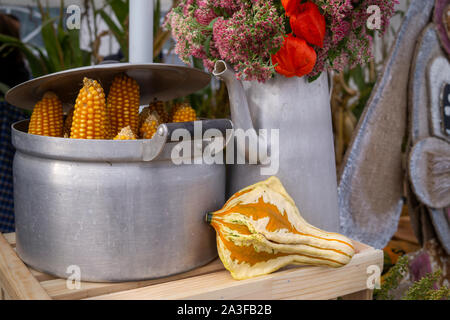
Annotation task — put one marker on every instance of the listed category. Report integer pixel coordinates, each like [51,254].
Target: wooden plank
[360,295]
[11,238]
[40,276]
[57,288]
[4,295]
[15,278]
[208,282]
[360,247]
[305,282]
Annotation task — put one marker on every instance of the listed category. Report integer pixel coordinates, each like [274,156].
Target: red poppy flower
[308,23]
[295,58]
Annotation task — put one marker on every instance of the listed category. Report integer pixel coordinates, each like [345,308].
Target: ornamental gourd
[260,230]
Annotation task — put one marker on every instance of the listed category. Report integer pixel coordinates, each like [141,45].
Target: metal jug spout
[240,111]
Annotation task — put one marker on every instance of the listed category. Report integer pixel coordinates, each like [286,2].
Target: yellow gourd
[260,230]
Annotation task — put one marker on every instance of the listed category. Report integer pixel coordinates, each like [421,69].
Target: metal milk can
[296,116]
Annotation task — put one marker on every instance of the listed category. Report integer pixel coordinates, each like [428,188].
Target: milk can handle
[194,129]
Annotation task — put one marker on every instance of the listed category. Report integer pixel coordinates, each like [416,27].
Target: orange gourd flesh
[260,230]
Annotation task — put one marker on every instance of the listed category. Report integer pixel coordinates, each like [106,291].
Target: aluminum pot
[114,210]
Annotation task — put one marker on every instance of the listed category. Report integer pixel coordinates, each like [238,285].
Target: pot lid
[156,80]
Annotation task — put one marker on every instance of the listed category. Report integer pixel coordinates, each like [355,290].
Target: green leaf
[74,46]
[207,45]
[51,44]
[38,65]
[424,289]
[156,18]
[86,57]
[312,79]
[64,42]
[198,63]
[120,9]
[211,24]
[3,88]
[392,279]
[357,74]
[117,31]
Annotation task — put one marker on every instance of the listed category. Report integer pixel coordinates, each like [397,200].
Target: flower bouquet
[290,37]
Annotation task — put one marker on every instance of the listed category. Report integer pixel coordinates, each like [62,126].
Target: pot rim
[101,150]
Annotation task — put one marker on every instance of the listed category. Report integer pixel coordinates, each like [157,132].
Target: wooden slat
[11,238]
[57,288]
[293,283]
[208,282]
[40,276]
[360,295]
[4,295]
[15,278]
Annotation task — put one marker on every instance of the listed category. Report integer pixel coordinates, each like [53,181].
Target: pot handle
[167,133]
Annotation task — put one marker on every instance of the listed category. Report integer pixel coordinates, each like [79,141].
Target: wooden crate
[17,281]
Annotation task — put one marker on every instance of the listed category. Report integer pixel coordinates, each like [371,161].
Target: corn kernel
[158,107]
[149,126]
[47,117]
[123,104]
[125,134]
[90,104]
[183,113]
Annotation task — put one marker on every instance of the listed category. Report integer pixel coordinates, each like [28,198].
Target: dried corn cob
[68,123]
[123,104]
[158,107]
[149,126]
[147,111]
[125,134]
[90,120]
[183,113]
[173,108]
[47,117]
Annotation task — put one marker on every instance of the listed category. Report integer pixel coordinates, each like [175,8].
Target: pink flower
[246,33]
[204,14]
